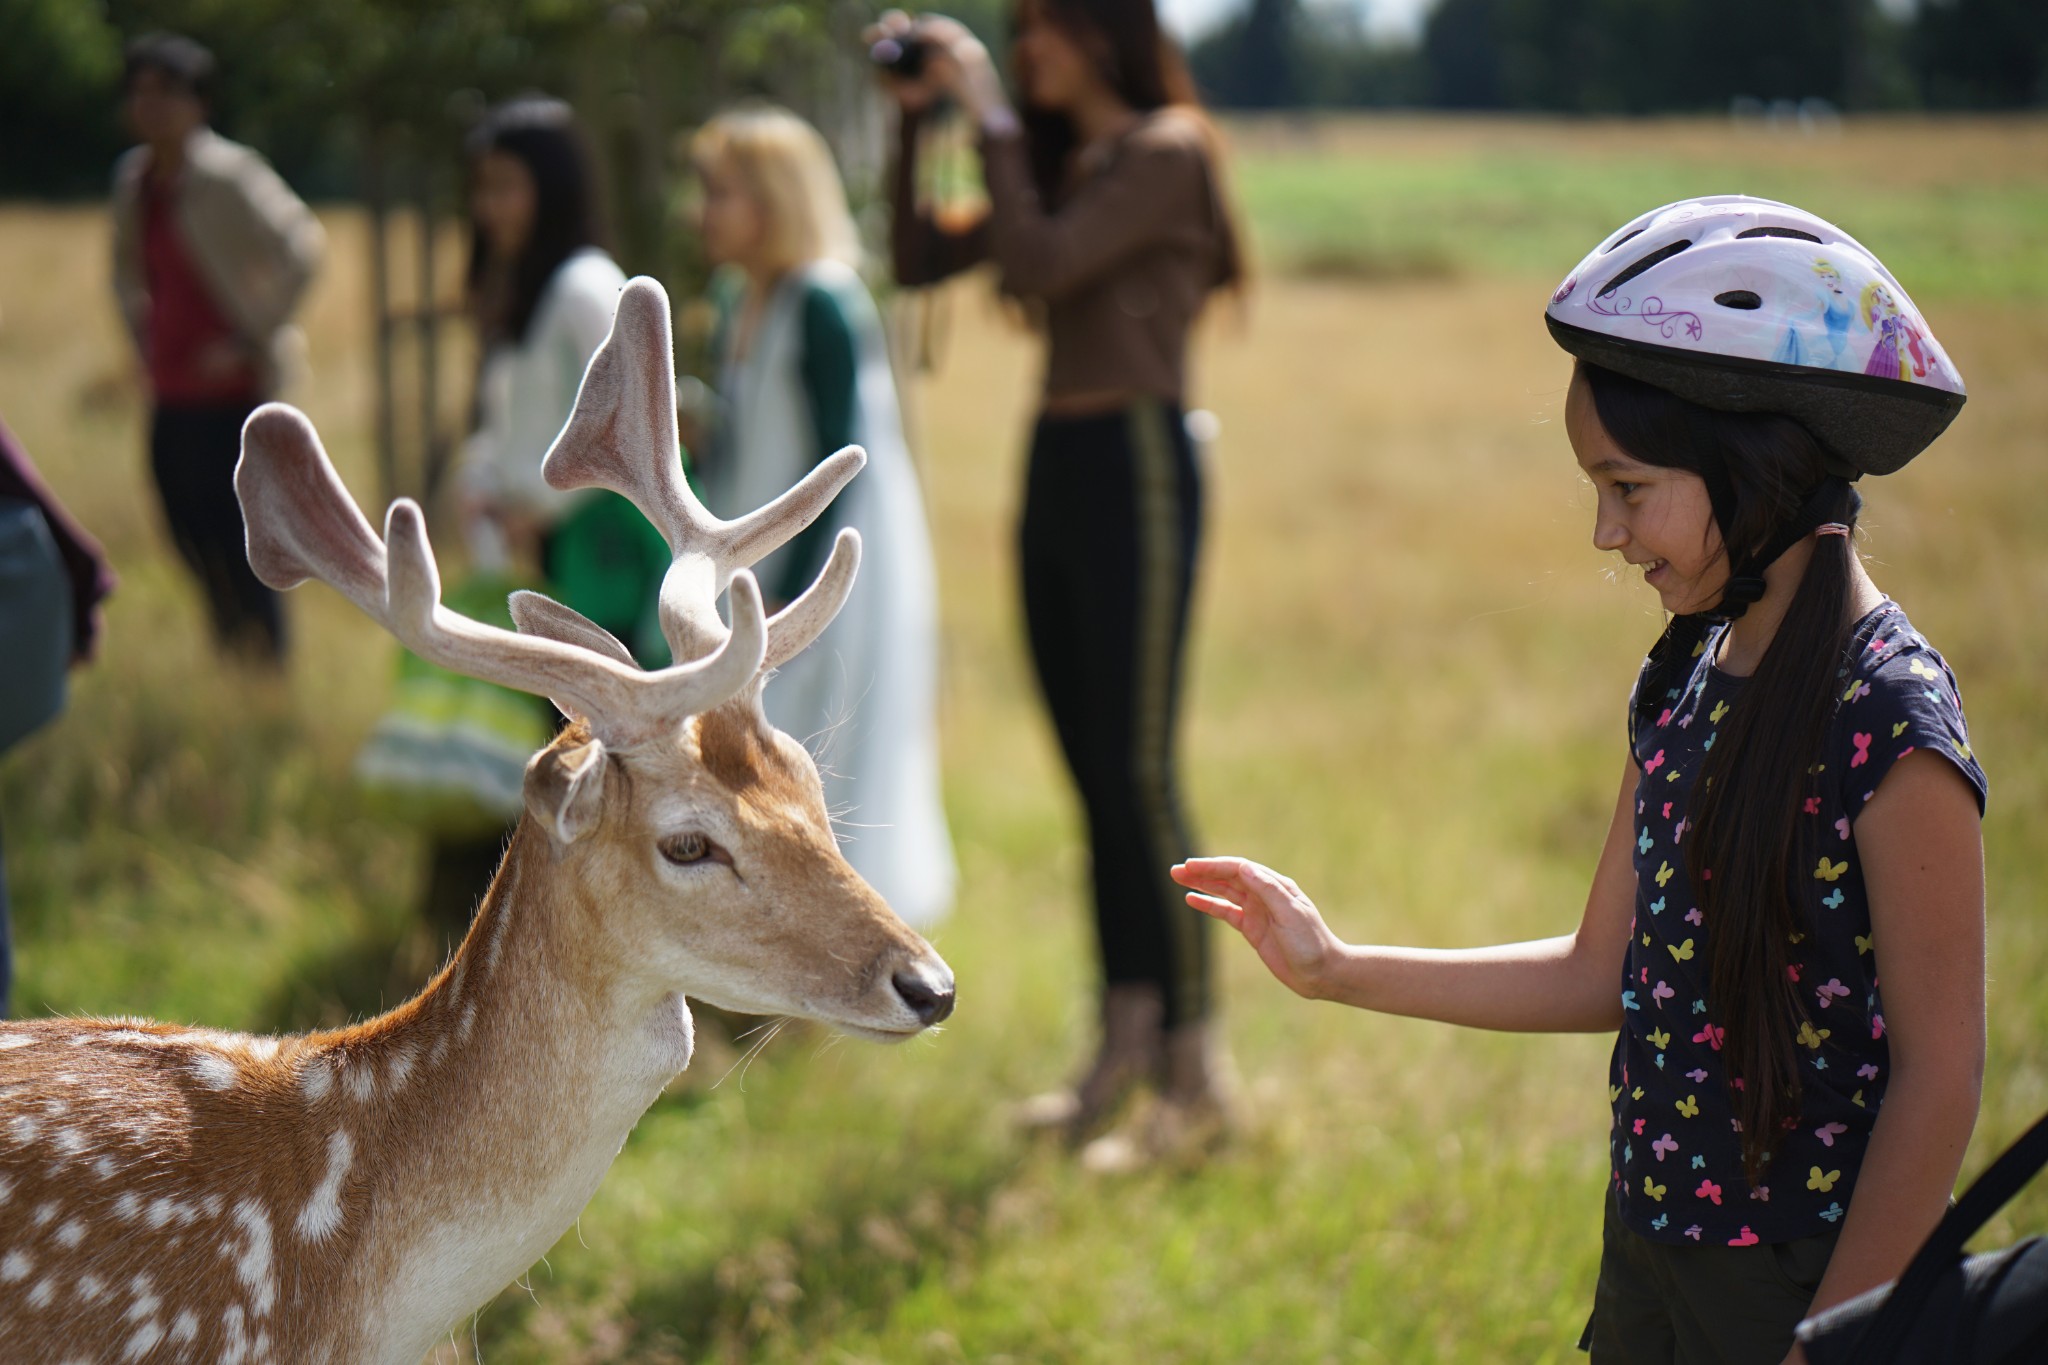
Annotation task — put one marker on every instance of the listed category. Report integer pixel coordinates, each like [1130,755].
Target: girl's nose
[1609,534]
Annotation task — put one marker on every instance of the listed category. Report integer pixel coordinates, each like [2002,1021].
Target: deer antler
[535,614]
[303,524]
[622,436]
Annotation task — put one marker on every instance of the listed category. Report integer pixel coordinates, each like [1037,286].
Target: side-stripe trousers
[1111,531]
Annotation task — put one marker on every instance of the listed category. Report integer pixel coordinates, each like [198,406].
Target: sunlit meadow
[1407,690]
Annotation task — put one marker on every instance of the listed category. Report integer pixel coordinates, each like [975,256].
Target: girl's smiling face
[1656,518]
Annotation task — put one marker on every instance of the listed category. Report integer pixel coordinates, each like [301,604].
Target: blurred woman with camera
[1107,220]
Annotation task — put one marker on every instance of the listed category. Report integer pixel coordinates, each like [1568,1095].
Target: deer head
[689,833]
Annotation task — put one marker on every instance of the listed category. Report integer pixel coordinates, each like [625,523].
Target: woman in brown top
[1107,221]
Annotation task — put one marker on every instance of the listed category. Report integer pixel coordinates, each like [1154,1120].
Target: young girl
[804,372]
[1107,220]
[1798,817]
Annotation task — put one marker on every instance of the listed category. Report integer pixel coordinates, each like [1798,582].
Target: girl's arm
[1568,984]
[1923,859]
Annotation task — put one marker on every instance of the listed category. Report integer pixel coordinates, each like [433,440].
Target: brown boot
[1193,1114]
[1132,1053]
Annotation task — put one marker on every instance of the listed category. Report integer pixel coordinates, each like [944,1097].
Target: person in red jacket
[212,254]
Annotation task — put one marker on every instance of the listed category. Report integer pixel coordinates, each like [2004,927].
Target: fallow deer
[175,1194]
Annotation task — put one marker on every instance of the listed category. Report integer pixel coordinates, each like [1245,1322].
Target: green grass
[1407,692]
[1416,199]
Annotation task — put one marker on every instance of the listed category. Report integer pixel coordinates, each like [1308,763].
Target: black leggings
[1112,523]
[192,452]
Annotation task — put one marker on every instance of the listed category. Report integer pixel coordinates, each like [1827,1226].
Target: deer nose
[929,995]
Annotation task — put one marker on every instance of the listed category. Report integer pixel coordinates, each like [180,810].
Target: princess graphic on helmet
[1835,313]
[1898,353]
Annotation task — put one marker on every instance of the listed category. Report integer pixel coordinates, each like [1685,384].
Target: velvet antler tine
[689,591]
[303,524]
[793,628]
[412,583]
[739,661]
[582,683]
[537,614]
[621,434]
[752,538]
[301,521]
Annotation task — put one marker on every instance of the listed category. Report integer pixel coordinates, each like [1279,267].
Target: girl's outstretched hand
[1282,925]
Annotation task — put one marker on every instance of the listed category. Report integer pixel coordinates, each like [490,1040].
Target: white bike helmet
[1749,305]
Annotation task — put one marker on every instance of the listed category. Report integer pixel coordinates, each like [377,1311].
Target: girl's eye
[1626,489]
[686,849]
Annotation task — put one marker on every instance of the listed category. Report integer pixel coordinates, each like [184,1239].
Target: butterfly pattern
[1894,695]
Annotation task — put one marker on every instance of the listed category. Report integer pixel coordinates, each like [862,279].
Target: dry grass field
[1407,691]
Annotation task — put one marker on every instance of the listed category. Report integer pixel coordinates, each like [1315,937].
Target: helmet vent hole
[1797,234]
[1660,255]
[1626,236]
[1739,298]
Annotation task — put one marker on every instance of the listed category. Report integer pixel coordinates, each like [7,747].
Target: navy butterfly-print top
[1677,1152]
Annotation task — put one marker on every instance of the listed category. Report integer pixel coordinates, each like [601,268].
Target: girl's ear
[565,790]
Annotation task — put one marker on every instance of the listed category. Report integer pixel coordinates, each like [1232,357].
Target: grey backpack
[1949,1309]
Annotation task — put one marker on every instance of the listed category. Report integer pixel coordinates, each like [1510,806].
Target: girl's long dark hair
[1748,845]
[543,135]
[1143,66]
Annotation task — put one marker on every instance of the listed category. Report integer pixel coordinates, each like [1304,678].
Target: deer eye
[686,849]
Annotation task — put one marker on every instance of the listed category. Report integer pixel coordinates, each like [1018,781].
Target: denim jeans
[6,951]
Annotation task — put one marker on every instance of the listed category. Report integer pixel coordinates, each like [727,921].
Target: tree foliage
[1983,53]
[313,84]
[1637,56]
[317,83]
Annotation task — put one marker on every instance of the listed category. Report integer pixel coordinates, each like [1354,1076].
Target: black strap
[1746,578]
[2003,1179]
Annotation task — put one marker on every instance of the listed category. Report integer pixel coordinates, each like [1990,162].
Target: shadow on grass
[844,1264]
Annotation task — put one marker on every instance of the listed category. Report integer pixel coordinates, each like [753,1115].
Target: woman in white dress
[803,371]
[542,291]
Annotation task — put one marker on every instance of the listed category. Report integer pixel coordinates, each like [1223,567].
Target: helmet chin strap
[1832,505]
[1746,586]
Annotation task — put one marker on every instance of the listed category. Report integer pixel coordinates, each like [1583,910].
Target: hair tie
[1833,528]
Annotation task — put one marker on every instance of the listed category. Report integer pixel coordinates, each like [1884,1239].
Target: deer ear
[565,790]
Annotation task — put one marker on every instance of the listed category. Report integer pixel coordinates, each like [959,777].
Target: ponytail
[1747,842]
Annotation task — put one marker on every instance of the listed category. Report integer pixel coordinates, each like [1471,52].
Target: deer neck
[533,1062]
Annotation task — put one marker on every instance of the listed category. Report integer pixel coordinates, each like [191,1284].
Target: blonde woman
[803,371]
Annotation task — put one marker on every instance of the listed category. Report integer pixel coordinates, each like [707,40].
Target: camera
[900,57]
